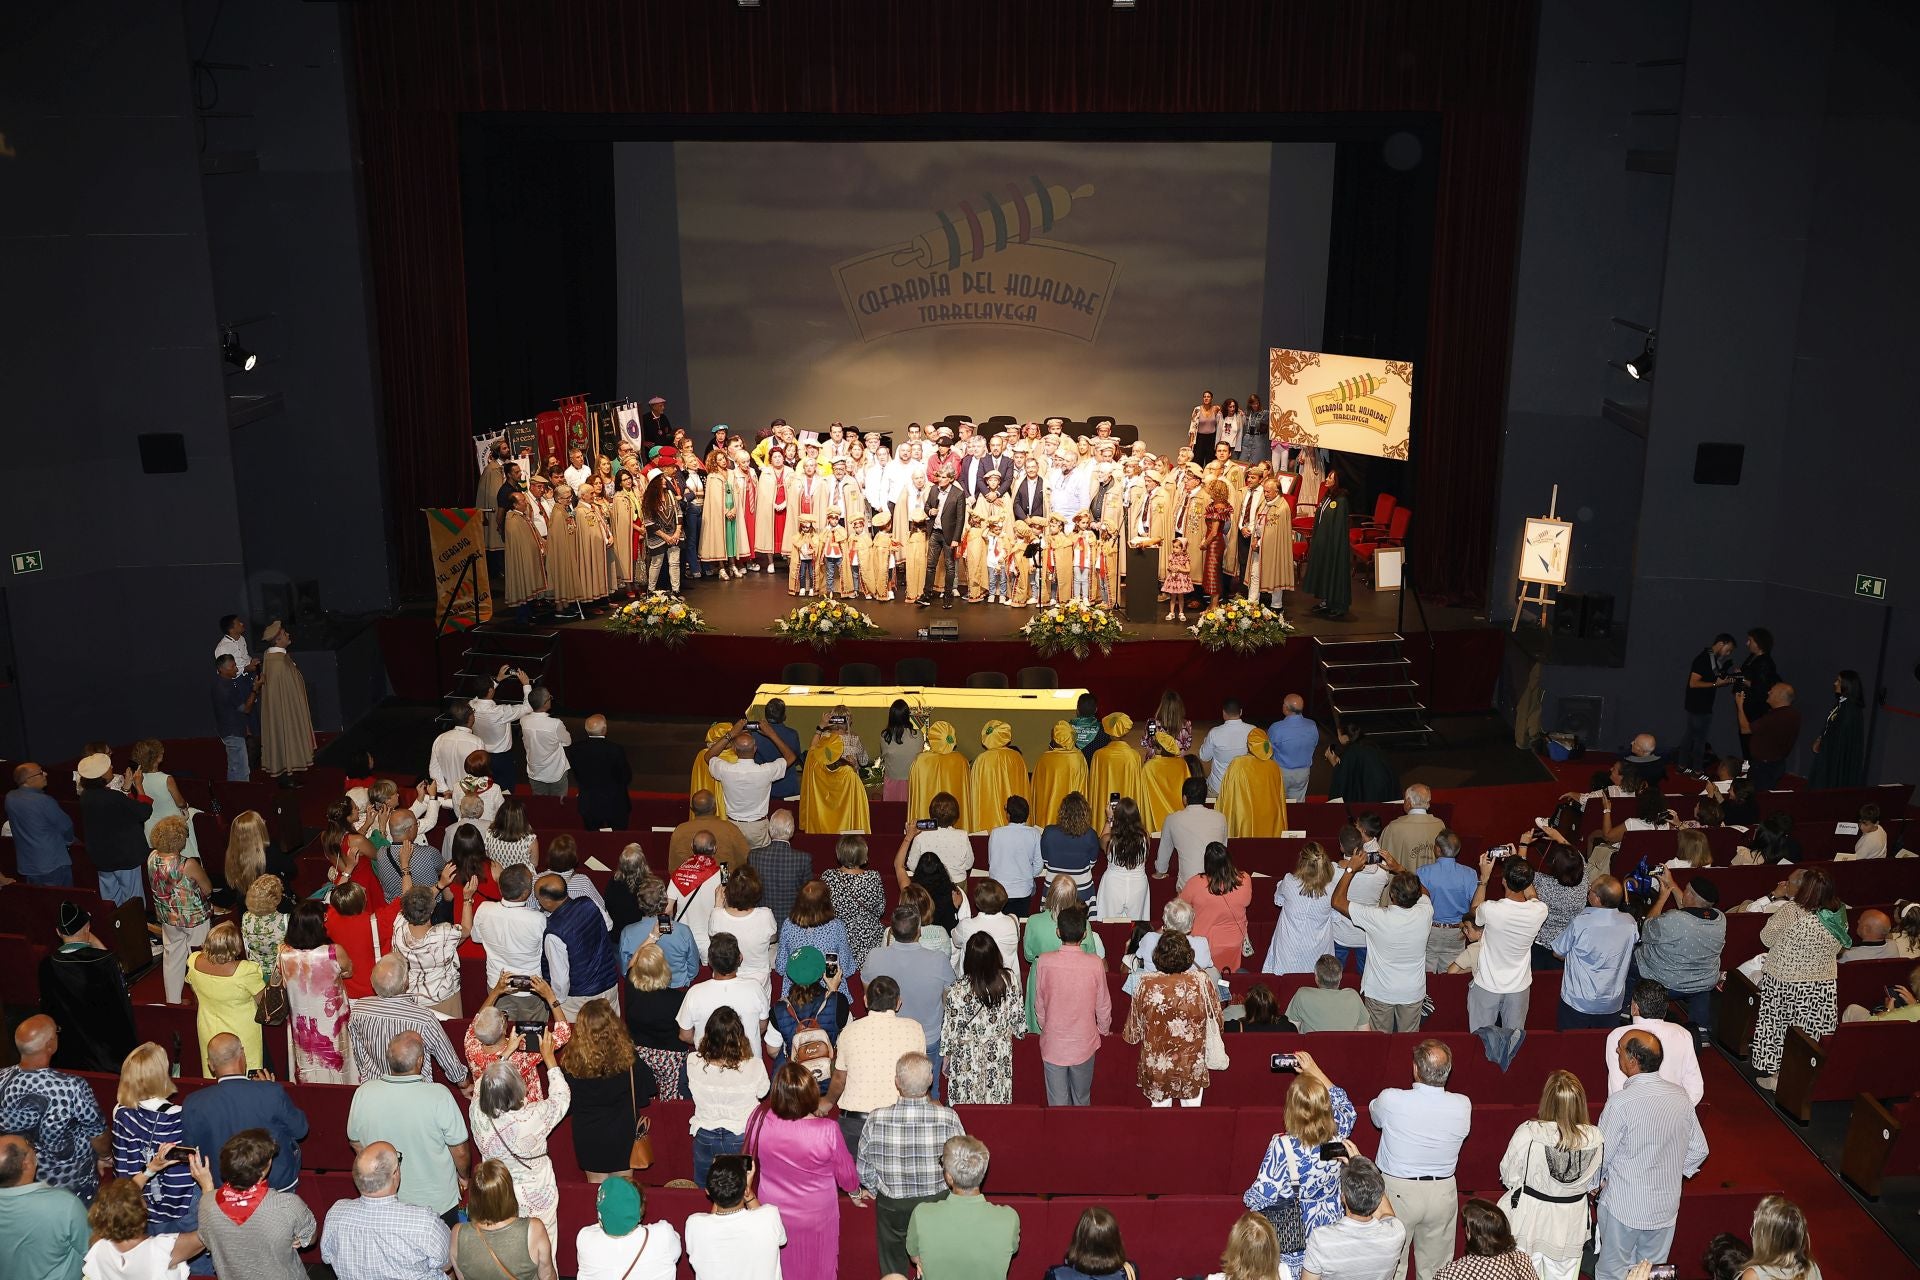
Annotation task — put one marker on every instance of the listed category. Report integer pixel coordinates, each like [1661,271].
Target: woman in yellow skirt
[999,771]
[938,768]
[1253,794]
[1061,769]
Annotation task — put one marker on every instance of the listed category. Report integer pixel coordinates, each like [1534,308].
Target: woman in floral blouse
[1318,1112]
[1168,1021]
[983,1014]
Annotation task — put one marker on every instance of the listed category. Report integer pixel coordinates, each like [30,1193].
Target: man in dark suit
[997,460]
[233,1102]
[602,772]
[82,989]
[946,517]
[1030,492]
[974,468]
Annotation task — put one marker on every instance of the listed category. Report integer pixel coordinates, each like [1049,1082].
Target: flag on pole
[460,591]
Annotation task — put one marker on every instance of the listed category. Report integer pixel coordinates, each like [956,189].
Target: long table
[1031,712]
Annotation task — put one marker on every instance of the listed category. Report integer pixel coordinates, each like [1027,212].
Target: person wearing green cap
[812,996]
[617,1246]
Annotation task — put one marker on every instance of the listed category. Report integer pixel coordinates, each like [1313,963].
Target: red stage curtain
[419,63]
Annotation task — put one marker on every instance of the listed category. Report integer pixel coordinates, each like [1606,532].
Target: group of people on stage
[1024,516]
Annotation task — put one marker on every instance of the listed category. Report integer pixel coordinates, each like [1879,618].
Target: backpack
[811,1047]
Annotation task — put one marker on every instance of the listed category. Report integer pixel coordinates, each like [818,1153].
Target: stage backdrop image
[878,283]
[1352,404]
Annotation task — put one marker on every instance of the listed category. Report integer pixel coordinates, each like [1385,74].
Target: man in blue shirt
[1451,885]
[1295,737]
[1597,947]
[765,752]
[41,829]
[233,700]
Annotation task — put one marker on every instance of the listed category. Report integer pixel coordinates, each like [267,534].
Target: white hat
[810,437]
[657,400]
[96,766]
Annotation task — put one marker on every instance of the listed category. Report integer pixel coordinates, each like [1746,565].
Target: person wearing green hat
[812,995]
[617,1247]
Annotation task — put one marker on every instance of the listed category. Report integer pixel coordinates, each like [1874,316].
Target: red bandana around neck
[240,1203]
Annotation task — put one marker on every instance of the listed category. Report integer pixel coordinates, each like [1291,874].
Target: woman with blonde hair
[1782,1250]
[1253,1251]
[162,792]
[225,983]
[264,924]
[1550,1163]
[1691,850]
[611,1085]
[147,1125]
[120,1247]
[246,858]
[496,1242]
[1042,935]
[650,1006]
[1318,1111]
[1305,931]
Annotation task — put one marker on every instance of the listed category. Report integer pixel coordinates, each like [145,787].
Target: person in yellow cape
[1160,781]
[1115,768]
[998,771]
[938,768]
[703,776]
[1059,770]
[1253,795]
[833,800]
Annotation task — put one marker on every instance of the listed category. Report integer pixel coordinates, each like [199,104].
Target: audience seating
[1036,678]
[861,675]
[987,680]
[916,672]
[1882,1142]
[1874,1058]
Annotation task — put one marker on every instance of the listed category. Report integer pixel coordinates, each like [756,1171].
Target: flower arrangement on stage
[1242,626]
[1075,627]
[825,623]
[659,617]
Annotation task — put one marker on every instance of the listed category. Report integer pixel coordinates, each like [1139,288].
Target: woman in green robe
[1330,555]
[1840,752]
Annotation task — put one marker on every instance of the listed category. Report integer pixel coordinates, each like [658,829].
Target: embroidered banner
[460,593]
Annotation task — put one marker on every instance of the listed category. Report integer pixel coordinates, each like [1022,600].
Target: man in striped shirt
[376,1019]
[1652,1142]
[899,1157]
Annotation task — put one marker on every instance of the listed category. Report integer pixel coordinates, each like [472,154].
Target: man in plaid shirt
[899,1158]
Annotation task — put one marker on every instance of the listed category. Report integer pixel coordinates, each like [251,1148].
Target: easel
[471,580]
[1540,591]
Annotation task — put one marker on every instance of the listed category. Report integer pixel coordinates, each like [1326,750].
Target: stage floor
[747,607]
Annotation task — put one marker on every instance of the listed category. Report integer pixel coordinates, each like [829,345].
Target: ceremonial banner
[630,432]
[1353,404]
[552,435]
[458,537]
[483,445]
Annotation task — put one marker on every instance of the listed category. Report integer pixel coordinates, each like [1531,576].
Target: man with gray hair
[1421,1131]
[603,773]
[965,1234]
[407,853]
[53,1110]
[1326,1005]
[1176,916]
[900,1157]
[1295,738]
[783,868]
[383,1235]
[375,1020]
[1409,837]
[512,931]
[421,1121]
[1366,1241]
[544,737]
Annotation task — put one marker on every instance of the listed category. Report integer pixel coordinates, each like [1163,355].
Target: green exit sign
[1864,584]
[27,562]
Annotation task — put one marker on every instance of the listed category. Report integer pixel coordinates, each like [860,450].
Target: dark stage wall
[716,675]
[420,65]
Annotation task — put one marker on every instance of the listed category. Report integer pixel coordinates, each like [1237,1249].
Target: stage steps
[532,648]
[1369,679]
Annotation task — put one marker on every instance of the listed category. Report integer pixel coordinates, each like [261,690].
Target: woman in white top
[162,791]
[1305,931]
[1123,890]
[122,1249]
[737,910]
[989,917]
[509,840]
[1231,421]
[1549,1165]
[727,1078]
[508,1128]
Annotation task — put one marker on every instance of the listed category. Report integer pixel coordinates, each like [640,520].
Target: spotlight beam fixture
[235,354]
[1640,368]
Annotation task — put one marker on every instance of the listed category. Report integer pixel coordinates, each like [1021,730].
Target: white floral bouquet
[659,617]
[825,623]
[1075,627]
[1242,626]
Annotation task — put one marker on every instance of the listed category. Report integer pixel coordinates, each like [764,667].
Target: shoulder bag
[1217,1059]
[641,1154]
[271,1007]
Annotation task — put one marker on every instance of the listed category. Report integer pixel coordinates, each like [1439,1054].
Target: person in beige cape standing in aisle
[1272,569]
[286,722]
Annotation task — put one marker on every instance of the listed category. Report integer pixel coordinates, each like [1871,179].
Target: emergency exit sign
[27,562]
[1864,584]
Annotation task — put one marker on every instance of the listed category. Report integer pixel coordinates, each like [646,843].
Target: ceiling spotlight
[236,355]
[1641,366]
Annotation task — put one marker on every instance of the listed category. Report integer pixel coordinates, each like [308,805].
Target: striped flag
[460,588]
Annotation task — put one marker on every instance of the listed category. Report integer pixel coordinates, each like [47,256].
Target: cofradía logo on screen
[984,262]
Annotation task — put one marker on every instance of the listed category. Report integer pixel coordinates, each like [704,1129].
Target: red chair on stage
[1364,528]
[1304,524]
[1394,535]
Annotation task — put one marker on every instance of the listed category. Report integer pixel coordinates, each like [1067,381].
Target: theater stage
[1457,663]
